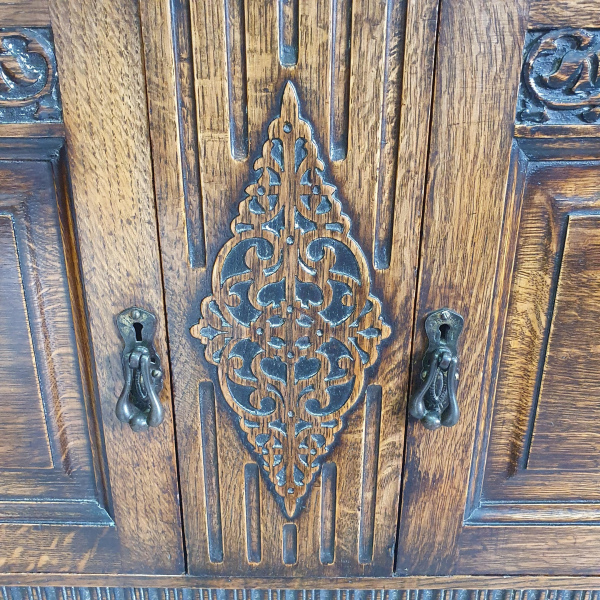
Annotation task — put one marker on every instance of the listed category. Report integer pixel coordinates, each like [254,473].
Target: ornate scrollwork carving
[28,76]
[291,324]
[560,80]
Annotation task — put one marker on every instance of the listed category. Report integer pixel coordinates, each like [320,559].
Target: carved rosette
[291,323]
[28,76]
[560,81]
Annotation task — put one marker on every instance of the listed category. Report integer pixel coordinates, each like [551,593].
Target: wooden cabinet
[291,188]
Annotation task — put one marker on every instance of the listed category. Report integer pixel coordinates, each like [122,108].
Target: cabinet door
[79,491]
[512,242]
[289,143]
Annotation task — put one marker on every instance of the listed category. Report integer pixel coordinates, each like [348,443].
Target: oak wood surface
[555,14]
[54,511]
[508,223]
[364,88]
[375,593]
[553,585]
[509,242]
[478,61]
[24,13]
[102,86]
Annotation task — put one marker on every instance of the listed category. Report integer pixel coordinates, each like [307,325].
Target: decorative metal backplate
[291,323]
[560,81]
[28,76]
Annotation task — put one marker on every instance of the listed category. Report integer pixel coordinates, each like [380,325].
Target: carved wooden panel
[28,76]
[289,143]
[51,462]
[541,459]
[189,593]
[560,77]
[291,323]
[517,492]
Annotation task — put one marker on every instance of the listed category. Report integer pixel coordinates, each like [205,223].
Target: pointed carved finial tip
[289,93]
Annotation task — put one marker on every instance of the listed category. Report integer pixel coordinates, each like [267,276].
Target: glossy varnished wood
[24,13]
[102,86]
[580,587]
[52,485]
[349,89]
[478,64]
[512,246]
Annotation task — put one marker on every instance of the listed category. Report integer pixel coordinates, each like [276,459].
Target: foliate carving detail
[561,79]
[28,76]
[291,323]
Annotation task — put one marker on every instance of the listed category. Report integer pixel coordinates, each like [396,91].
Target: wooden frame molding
[41,586]
[138,593]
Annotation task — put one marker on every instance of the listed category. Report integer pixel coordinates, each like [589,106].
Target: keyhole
[138,331]
[444,331]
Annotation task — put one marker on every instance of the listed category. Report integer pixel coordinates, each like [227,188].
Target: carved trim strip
[28,77]
[560,81]
[137,593]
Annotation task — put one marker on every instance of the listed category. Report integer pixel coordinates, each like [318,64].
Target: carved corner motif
[28,77]
[560,82]
[291,324]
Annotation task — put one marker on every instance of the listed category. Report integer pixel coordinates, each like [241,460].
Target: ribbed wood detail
[137,593]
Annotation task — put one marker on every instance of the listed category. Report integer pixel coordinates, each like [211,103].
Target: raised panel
[510,242]
[47,449]
[24,439]
[566,428]
[537,445]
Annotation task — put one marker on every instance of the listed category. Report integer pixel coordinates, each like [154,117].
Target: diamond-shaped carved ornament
[291,323]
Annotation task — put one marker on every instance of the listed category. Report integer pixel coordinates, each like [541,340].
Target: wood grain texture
[54,510]
[25,442]
[553,586]
[473,115]
[307,319]
[538,464]
[99,52]
[522,270]
[223,180]
[555,14]
[188,132]
[24,13]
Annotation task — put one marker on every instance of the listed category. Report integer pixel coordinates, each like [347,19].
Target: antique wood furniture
[299,298]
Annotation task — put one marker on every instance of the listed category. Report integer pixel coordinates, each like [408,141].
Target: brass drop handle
[434,403]
[139,404]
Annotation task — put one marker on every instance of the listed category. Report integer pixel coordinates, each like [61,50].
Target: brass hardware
[139,404]
[435,403]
